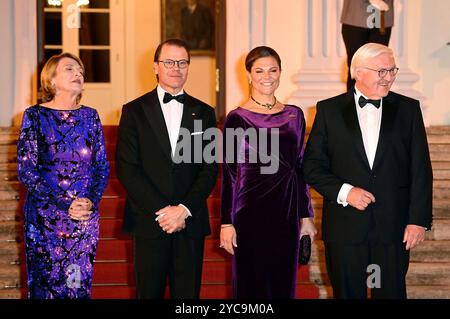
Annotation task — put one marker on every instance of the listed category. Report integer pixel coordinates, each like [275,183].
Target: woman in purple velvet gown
[261,210]
[62,163]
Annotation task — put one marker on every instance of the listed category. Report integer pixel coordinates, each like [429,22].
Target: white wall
[7,77]
[429,55]
[251,23]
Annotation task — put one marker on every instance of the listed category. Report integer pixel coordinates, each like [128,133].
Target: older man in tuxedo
[166,207]
[367,155]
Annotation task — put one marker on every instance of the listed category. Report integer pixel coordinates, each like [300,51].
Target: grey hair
[367,51]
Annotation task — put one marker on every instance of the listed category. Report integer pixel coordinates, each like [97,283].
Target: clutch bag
[304,250]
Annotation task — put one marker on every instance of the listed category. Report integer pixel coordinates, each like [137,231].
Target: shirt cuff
[187,209]
[343,193]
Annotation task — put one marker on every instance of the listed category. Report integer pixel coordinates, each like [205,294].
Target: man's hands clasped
[172,218]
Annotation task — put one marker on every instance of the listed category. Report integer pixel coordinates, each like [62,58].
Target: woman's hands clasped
[80,209]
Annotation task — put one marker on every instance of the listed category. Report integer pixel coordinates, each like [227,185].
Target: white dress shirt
[173,113]
[369,118]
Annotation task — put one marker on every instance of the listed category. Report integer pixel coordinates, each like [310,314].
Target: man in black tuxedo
[166,208]
[367,155]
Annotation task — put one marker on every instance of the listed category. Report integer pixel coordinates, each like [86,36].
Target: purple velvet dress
[265,209]
[61,156]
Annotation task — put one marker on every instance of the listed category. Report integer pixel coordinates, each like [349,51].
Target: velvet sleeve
[230,174]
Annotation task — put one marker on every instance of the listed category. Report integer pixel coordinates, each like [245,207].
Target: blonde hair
[367,51]
[47,91]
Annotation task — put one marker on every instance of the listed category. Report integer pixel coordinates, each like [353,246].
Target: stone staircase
[429,269]
[113,274]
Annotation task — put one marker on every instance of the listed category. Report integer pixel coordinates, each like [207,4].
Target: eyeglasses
[383,72]
[181,64]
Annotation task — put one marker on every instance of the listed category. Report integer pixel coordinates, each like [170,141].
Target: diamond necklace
[267,105]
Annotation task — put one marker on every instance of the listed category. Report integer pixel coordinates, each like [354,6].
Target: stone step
[438,139]
[428,292]
[9,130]
[8,205]
[10,215]
[9,157]
[318,273]
[438,165]
[8,195]
[445,184]
[441,193]
[431,251]
[10,231]
[441,174]
[325,291]
[10,253]
[9,283]
[439,152]
[10,294]
[8,148]
[441,208]
[424,274]
[8,167]
[10,276]
[8,176]
[8,139]
[438,129]
[11,272]
[439,231]
[9,185]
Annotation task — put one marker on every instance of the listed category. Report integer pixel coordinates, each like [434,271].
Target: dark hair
[175,42]
[260,52]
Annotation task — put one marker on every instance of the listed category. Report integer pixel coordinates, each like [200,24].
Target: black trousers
[355,37]
[176,257]
[347,267]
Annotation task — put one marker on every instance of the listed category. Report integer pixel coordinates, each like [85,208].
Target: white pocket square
[197,133]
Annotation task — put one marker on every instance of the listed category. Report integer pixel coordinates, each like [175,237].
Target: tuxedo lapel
[351,120]
[387,125]
[190,113]
[152,110]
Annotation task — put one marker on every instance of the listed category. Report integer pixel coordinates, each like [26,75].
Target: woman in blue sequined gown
[62,163]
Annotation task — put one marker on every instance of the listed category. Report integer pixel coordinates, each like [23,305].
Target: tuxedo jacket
[149,174]
[400,179]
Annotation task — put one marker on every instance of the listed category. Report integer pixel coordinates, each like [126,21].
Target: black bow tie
[363,101]
[169,97]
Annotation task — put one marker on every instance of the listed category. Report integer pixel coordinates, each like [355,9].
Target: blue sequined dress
[61,156]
